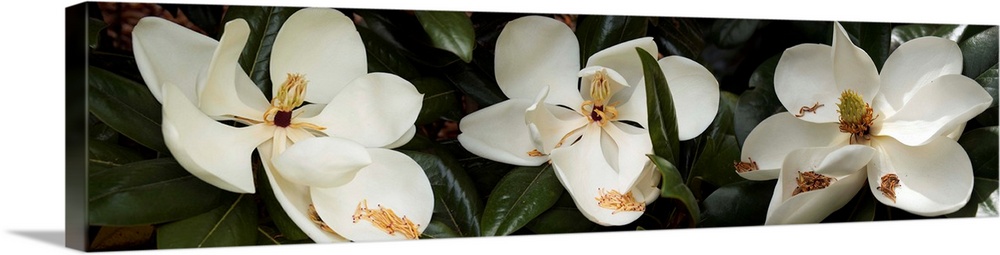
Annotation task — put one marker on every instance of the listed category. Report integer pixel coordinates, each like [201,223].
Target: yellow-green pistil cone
[855,116]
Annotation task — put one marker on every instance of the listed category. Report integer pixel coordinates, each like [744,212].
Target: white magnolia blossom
[910,114]
[595,136]
[327,161]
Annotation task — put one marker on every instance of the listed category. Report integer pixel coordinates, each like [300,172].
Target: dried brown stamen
[743,167]
[386,220]
[619,202]
[805,109]
[535,153]
[809,181]
[314,216]
[888,186]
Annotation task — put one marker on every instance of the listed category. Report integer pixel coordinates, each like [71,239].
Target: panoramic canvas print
[211,125]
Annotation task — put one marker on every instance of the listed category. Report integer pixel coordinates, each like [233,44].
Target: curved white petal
[804,78]
[843,163]
[549,126]
[535,52]
[634,109]
[297,134]
[219,97]
[294,199]
[169,53]
[624,59]
[852,68]
[322,162]
[935,110]
[403,140]
[583,167]
[915,64]
[322,44]
[631,145]
[772,139]
[216,153]
[498,133]
[935,178]
[393,181]
[374,110]
[695,93]
[649,182]
[250,94]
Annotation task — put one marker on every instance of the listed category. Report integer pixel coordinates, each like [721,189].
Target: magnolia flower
[327,160]
[594,135]
[910,114]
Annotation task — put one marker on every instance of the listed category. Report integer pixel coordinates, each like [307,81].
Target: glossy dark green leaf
[385,57]
[979,53]
[738,204]
[989,82]
[672,187]
[476,84]
[981,146]
[984,201]
[456,202]
[206,17]
[440,100]
[731,33]
[485,173]
[126,106]
[905,33]
[563,217]
[94,29]
[232,224]
[287,228]
[436,229]
[860,208]
[662,116]
[522,195]
[760,102]
[451,31]
[679,36]
[264,24]
[110,155]
[147,192]
[596,33]
[715,161]
[874,38]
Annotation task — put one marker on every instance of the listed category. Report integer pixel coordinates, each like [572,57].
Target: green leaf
[476,84]
[126,106]
[232,224]
[731,33]
[451,31]
[522,195]
[94,28]
[456,204]
[757,104]
[596,33]
[288,229]
[715,161]
[981,146]
[989,82]
[264,24]
[679,36]
[440,100]
[383,56]
[672,187]
[979,53]
[984,200]
[436,229]
[860,208]
[485,173]
[662,115]
[109,155]
[874,38]
[739,204]
[563,217]
[147,192]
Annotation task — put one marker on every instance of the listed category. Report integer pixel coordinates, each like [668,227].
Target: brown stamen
[888,186]
[743,166]
[619,202]
[809,181]
[535,153]
[386,220]
[805,109]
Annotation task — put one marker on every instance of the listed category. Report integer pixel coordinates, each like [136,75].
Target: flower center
[743,166]
[619,202]
[855,116]
[600,90]
[808,181]
[888,186]
[290,95]
[598,110]
[386,220]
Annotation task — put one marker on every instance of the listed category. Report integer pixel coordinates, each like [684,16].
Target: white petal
[695,93]
[582,166]
[297,135]
[498,133]
[322,44]
[852,68]
[843,163]
[393,181]
[549,126]
[956,133]
[772,139]
[214,152]
[934,179]
[322,161]
[294,199]
[374,110]
[169,53]
[624,59]
[403,140]
[936,110]
[915,64]
[631,145]
[634,109]
[804,78]
[534,52]
[649,182]
[219,97]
